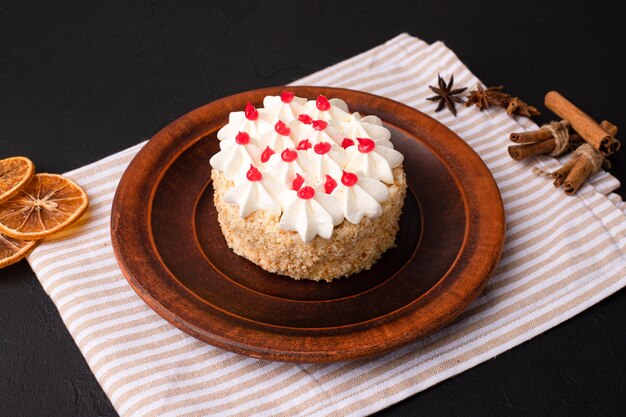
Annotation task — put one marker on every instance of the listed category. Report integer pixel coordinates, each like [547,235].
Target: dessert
[306,189]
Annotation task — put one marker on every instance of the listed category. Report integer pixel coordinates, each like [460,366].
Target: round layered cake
[304,188]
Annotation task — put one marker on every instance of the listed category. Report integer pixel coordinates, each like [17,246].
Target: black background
[80,80]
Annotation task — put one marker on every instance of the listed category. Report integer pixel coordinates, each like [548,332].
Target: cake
[306,189]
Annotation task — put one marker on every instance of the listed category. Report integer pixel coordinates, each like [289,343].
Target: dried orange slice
[14,174]
[12,250]
[47,204]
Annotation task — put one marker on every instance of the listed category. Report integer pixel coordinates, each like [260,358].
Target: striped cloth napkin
[562,255]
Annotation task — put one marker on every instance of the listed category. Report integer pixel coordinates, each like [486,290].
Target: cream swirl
[236,154]
[254,191]
[281,137]
[309,213]
[318,131]
[324,109]
[325,158]
[284,167]
[286,107]
[372,160]
[252,121]
[359,197]
[366,127]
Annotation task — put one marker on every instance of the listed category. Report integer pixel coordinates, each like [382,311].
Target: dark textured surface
[80,80]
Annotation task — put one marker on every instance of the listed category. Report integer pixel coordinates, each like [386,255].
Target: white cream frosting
[331,163]
[378,163]
[315,215]
[310,217]
[285,172]
[286,112]
[361,199]
[366,127]
[279,142]
[331,133]
[238,122]
[337,111]
[233,157]
[251,196]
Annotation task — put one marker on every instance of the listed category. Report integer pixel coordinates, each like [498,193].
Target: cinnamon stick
[523,151]
[580,172]
[532,136]
[560,174]
[611,129]
[581,123]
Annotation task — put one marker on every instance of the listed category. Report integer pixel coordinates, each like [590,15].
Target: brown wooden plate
[170,248]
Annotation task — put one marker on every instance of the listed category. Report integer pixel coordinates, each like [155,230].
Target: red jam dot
[330,184]
[296,184]
[322,103]
[242,138]
[267,153]
[346,143]
[306,193]
[366,145]
[319,124]
[322,148]
[281,128]
[251,112]
[349,179]
[305,118]
[289,155]
[286,96]
[303,145]
[254,174]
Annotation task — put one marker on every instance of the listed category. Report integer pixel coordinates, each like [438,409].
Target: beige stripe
[79,240]
[114,343]
[85,326]
[548,244]
[252,366]
[203,355]
[121,302]
[154,350]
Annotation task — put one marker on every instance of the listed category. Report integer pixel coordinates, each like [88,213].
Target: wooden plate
[169,246]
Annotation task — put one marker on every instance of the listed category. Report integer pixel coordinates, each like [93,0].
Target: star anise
[518,106]
[445,95]
[483,98]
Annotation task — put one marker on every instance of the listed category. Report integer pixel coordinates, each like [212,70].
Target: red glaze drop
[286,97]
[346,143]
[251,112]
[289,155]
[281,128]
[321,148]
[305,118]
[296,184]
[254,174]
[366,145]
[303,145]
[267,153]
[242,138]
[319,124]
[322,103]
[306,193]
[349,179]
[330,184]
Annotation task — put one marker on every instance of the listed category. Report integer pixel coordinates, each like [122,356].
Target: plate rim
[172,308]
